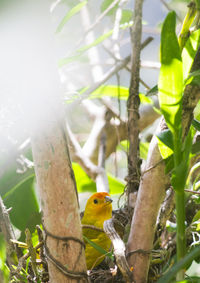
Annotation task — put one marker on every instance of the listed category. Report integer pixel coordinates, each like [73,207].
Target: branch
[115,132]
[119,250]
[77,154]
[134,101]
[150,196]
[102,179]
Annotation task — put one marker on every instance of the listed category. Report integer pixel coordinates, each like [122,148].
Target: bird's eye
[95,201]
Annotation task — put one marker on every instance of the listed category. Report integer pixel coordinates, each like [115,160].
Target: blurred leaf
[70,14]
[127,16]
[111,91]
[196,219]
[85,184]
[144,147]
[3,267]
[124,145]
[116,186]
[168,277]
[25,208]
[170,83]
[97,41]
[68,60]
[189,52]
[144,99]
[79,52]
[105,4]
[114,91]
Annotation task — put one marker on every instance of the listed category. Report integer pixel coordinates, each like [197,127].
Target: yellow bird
[97,210]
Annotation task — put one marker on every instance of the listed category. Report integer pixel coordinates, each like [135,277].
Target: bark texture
[150,196]
[57,189]
[134,101]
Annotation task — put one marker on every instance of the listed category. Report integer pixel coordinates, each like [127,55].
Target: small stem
[189,18]
[180,233]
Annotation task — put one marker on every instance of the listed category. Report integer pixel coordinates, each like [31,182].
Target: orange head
[98,209]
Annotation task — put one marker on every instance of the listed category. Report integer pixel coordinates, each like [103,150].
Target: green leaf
[70,14]
[144,99]
[152,91]
[111,91]
[168,277]
[99,249]
[189,52]
[25,209]
[165,143]
[115,92]
[170,83]
[116,186]
[167,138]
[193,78]
[196,124]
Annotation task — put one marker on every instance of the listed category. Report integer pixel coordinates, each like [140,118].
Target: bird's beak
[108,199]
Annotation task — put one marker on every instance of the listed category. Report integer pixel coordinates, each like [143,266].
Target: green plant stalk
[180,206]
[180,232]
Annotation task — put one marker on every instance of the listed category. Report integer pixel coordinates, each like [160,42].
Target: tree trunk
[150,196]
[59,202]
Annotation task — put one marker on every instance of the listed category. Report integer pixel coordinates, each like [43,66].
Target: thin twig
[192,192]
[89,167]
[115,69]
